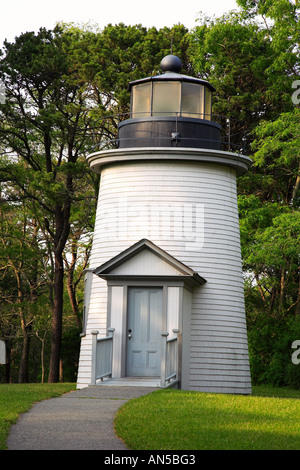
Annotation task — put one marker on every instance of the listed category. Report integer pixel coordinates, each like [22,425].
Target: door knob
[129,334]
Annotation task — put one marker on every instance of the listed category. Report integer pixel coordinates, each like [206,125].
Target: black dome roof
[171,63]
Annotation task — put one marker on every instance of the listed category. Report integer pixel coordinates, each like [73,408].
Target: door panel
[144,332]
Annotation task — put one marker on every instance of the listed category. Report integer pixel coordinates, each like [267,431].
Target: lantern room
[170,109]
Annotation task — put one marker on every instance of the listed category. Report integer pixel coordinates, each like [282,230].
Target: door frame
[117,312]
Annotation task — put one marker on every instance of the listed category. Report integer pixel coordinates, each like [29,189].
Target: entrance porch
[149,295]
[102,363]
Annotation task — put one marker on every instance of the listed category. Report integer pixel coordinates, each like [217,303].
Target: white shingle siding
[158,200]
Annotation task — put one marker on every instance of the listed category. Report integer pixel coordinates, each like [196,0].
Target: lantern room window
[166,98]
[141,100]
[192,100]
[171,98]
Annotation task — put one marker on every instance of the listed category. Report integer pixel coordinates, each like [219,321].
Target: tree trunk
[62,229]
[297,313]
[282,289]
[260,288]
[42,360]
[71,286]
[23,369]
[8,363]
[73,301]
[56,334]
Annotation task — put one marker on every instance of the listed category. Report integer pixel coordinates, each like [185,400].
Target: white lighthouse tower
[164,298]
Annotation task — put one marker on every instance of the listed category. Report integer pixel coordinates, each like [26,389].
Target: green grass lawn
[18,398]
[180,420]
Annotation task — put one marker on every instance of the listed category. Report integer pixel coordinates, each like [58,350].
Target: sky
[20,16]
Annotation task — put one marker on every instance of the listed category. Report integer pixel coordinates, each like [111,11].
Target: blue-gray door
[144,332]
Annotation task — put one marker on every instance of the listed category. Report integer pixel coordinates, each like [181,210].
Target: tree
[110,59]
[231,53]
[276,237]
[45,121]
[22,277]
[276,148]
[252,59]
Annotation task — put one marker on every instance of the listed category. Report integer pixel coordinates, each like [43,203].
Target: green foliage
[270,233]
[43,128]
[109,60]
[270,341]
[251,63]
[70,353]
[232,54]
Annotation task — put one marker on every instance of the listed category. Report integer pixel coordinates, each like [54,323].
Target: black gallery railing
[104,131]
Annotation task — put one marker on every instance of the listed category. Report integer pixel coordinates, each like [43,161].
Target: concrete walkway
[79,420]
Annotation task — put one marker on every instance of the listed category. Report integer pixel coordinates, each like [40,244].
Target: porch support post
[94,356]
[111,335]
[164,336]
[177,365]
[111,332]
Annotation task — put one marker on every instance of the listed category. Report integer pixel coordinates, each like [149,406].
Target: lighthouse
[164,299]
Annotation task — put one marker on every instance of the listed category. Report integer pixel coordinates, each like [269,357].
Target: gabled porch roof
[146,260]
